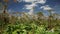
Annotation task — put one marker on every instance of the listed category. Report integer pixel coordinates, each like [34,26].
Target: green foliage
[23,29]
[25,25]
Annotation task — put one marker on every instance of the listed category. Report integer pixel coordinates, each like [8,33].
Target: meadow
[29,24]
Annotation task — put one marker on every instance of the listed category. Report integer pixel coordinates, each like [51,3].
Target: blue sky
[20,6]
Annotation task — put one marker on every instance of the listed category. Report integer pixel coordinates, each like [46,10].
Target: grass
[26,25]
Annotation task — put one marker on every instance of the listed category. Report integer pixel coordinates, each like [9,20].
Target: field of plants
[29,25]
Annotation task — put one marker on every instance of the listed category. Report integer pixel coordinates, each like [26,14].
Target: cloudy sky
[34,5]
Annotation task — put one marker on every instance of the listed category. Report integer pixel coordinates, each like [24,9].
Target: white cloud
[31,1]
[31,6]
[34,4]
[41,1]
[9,10]
[38,1]
[47,7]
[31,12]
[52,12]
